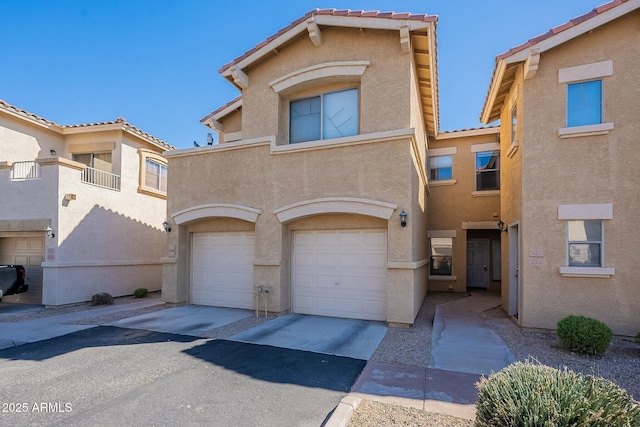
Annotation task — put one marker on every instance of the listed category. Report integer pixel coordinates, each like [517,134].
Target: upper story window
[441,167]
[488,170]
[155,175]
[514,123]
[329,115]
[584,103]
[100,161]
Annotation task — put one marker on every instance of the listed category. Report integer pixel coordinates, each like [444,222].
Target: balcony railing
[25,170]
[101,178]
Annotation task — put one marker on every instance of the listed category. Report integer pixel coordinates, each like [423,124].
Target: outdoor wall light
[501,227]
[403,218]
[53,152]
[50,233]
[165,224]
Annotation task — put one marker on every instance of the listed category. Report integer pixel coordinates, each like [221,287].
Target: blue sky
[155,62]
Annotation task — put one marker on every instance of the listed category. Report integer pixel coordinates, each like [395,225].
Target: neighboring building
[298,208]
[569,104]
[100,190]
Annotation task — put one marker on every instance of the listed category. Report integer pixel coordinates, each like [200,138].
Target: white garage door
[222,269]
[29,252]
[340,273]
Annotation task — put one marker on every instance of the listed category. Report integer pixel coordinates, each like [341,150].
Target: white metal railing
[101,178]
[25,170]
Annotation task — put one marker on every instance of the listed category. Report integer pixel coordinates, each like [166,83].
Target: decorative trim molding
[442,233]
[489,146]
[512,148]
[588,130]
[585,211]
[442,182]
[314,32]
[217,210]
[531,64]
[335,205]
[595,272]
[585,72]
[407,265]
[444,151]
[486,193]
[289,81]
[443,278]
[480,225]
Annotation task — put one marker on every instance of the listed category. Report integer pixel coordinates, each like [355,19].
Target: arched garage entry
[339,257]
[222,251]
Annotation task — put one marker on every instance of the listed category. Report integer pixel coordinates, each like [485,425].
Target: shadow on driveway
[281,365]
[101,336]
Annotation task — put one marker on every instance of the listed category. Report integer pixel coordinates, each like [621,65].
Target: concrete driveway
[357,339]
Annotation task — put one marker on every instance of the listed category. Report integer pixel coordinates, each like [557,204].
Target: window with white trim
[585,243]
[488,170]
[100,161]
[329,115]
[441,167]
[155,176]
[441,256]
[584,103]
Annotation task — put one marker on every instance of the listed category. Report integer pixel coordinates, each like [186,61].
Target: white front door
[340,273]
[478,263]
[222,269]
[28,252]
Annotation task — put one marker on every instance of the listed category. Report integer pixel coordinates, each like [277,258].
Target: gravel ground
[412,347]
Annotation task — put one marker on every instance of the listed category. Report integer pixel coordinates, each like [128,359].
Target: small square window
[584,103]
[330,115]
[584,243]
[441,167]
[441,256]
[488,170]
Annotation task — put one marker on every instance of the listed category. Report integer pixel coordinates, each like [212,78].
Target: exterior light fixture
[165,224]
[501,227]
[403,218]
[209,139]
[50,233]
[53,152]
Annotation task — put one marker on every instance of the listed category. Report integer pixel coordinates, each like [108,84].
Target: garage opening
[28,252]
[222,269]
[340,273]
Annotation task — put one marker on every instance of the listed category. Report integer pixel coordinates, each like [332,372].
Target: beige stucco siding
[582,170]
[452,204]
[383,89]
[23,141]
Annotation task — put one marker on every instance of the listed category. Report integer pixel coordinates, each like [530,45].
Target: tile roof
[333,12]
[560,28]
[228,104]
[24,113]
[60,128]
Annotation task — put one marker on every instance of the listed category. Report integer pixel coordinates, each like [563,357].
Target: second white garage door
[340,273]
[222,269]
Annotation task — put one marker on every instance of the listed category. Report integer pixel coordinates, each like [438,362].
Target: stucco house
[315,199]
[569,104]
[82,206]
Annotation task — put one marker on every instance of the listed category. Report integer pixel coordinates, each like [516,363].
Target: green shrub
[102,298]
[140,293]
[584,335]
[526,394]
[638,338]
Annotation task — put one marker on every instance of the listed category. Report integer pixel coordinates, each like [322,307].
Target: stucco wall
[451,204]
[590,169]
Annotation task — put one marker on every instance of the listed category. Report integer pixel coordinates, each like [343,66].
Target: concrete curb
[343,412]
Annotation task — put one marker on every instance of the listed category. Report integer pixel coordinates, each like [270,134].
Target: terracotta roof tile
[120,120]
[6,106]
[213,113]
[563,27]
[331,12]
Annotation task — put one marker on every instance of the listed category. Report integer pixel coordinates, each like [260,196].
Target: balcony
[101,178]
[25,170]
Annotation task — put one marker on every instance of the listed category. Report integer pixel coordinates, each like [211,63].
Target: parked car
[12,280]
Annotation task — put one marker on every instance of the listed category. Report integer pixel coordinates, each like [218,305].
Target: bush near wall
[527,394]
[584,335]
[102,298]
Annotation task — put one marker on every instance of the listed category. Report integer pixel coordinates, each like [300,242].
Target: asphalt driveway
[116,376]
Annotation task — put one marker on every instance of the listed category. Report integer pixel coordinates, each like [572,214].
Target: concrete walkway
[464,347]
